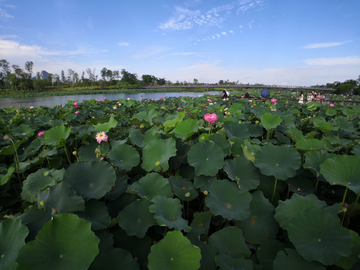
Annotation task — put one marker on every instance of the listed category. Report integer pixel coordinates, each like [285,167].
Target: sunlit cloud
[324,45]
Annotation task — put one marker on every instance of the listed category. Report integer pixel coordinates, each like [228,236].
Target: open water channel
[62,100]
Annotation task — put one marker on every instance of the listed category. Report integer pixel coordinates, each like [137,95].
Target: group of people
[313,96]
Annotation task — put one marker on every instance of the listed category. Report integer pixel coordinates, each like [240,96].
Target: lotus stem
[351,207]
[67,155]
[342,205]
[274,190]
[221,224]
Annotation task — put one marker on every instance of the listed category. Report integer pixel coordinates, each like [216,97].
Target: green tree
[103,73]
[128,77]
[29,67]
[148,79]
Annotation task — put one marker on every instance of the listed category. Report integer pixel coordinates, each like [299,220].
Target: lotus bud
[157,163]
[6,137]
[97,152]
[206,192]
[187,194]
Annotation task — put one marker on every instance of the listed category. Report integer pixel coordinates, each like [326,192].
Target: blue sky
[304,42]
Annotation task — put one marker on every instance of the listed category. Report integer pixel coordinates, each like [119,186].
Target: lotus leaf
[6,178]
[201,223]
[230,241]
[34,183]
[158,151]
[295,134]
[260,225]
[10,150]
[106,240]
[137,138]
[22,131]
[97,213]
[342,170]
[120,187]
[236,145]
[171,123]
[310,145]
[255,130]
[34,221]
[236,130]
[313,160]
[66,242]
[243,172]
[267,251]
[270,121]
[186,129]
[221,141]
[136,218]
[87,153]
[226,262]
[203,182]
[278,161]
[91,180]
[227,200]
[168,213]
[151,185]
[56,135]
[207,159]
[124,156]
[12,239]
[288,209]
[348,262]
[146,116]
[116,258]
[174,252]
[184,189]
[106,126]
[60,198]
[289,259]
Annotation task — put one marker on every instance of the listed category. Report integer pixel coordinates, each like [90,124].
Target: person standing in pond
[301,98]
[265,94]
[225,95]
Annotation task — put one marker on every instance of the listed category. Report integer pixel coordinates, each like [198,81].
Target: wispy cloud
[349,60]
[187,53]
[250,23]
[123,44]
[4,15]
[150,51]
[324,45]
[184,18]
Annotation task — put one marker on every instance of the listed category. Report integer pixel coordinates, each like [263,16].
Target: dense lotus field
[180,183]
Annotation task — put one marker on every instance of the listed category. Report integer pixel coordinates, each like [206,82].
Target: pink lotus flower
[250,100]
[41,133]
[242,96]
[77,112]
[145,100]
[31,107]
[114,107]
[206,107]
[209,100]
[75,103]
[273,100]
[211,118]
[105,97]
[119,104]
[99,100]
[141,96]
[179,108]
[332,105]
[77,107]
[152,99]
[101,137]
[160,97]
[83,99]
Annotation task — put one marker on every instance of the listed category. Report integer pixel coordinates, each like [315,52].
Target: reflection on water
[62,100]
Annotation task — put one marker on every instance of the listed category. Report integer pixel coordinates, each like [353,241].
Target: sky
[280,42]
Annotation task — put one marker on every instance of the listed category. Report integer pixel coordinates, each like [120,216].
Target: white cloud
[4,15]
[187,53]
[231,32]
[150,51]
[251,23]
[324,45]
[223,33]
[335,61]
[123,44]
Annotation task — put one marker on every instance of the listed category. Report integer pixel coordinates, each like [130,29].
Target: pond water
[62,100]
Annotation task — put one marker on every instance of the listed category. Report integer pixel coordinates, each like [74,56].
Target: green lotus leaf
[106,240]
[152,135]
[181,155]
[124,156]
[174,252]
[260,225]
[136,218]
[201,223]
[330,112]
[203,182]
[270,121]
[225,199]
[97,213]
[87,152]
[301,185]
[207,158]
[342,170]
[289,259]
[230,241]
[34,183]
[120,187]
[226,262]
[66,242]
[146,116]
[286,210]
[12,239]
[34,221]
[22,131]
[348,262]
[295,134]
[168,213]
[318,236]
[318,122]
[186,128]
[56,135]
[138,247]
[137,138]
[221,141]
[6,178]
[311,106]
[116,258]
[151,185]
[184,189]
[310,145]
[278,161]
[327,127]
[106,126]
[237,130]
[243,172]
[345,125]
[60,198]
[91,180]
[313,160]
[236,146]
[171,123]
[10,150]
[356,150]
[267,251]
[255,130]
[158,151]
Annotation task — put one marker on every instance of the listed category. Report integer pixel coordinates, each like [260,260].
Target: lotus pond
[180,183]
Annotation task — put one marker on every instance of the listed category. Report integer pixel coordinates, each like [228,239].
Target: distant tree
[160,81]
[50,79]
[221,82]
[103,73]
[116,74]
[63,79]
[128,77]
[196,81]
[148,79]
[109,75]
[29,67]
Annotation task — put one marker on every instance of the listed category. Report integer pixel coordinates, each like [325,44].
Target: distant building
[44,75]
